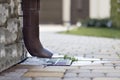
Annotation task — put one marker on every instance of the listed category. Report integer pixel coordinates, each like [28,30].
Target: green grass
[98,32]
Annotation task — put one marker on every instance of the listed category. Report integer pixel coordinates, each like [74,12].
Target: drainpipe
[31,29]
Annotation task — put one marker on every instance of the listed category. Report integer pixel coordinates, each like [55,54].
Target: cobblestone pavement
[99,59]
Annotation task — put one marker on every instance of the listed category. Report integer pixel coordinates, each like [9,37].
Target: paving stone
[115,62]
[91,75]
[106,79]
[21,66]
[44,74]
[21,70]
[13,74]
[108,64]
[48,78]
[62,67]
[70,75]
[81,63]
[14,78]
[47,70]
[113,74]
[76,78]
[97,67]
[100,62]
[86,59]
[118,67]
[101,54]
[106,71]
[77,71]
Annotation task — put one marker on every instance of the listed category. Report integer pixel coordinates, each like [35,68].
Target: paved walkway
[99,59]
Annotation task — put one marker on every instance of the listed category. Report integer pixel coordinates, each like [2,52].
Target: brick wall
[12,49]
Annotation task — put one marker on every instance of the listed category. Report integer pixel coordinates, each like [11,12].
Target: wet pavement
[98,59]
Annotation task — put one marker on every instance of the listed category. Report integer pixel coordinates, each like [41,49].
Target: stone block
[12,25]
[4,1]
[21,21]
[20,10]
[12,6]
[11,51]
[2,52]
[10,37]
[2,35]
[10,56]
[4,13]
[20,48]
[19,34]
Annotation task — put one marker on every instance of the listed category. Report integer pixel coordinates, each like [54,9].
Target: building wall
[79,10]
[100,9]
[51,11]
[11,46]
